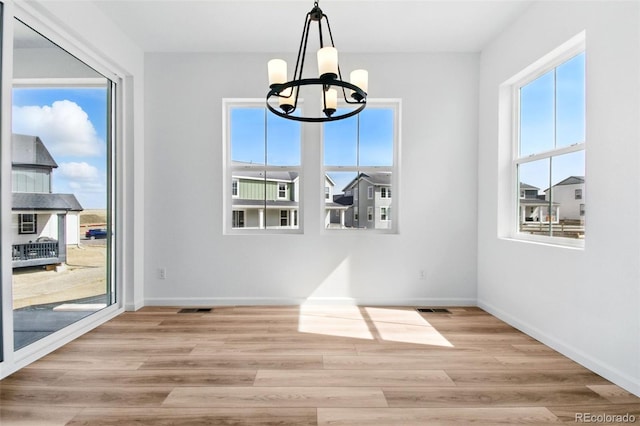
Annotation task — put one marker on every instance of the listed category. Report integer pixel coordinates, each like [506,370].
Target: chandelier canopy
[329,80]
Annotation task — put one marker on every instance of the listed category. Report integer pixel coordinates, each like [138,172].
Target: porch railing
[32,254]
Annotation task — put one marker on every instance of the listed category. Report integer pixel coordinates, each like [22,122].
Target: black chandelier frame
[326,81]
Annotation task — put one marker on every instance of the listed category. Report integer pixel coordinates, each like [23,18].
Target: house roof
[378,179]
[29,150]
[527,186]
[271,175]
[571,180]
[43,201]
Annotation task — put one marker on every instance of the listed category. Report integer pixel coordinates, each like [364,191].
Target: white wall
[437,193]
[583,302]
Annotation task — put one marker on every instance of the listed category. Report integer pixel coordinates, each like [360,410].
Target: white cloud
[77,171]
[64,127]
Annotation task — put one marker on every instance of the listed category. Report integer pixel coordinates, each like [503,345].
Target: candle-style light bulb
[277,71]
[359,78]
[330,102]
[328,62]
[287,99]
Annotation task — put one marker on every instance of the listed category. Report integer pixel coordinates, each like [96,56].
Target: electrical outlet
[162,273]
[421,274]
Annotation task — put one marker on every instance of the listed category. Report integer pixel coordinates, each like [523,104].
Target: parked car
[92,234]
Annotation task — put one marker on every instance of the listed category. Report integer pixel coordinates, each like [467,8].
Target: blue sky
[72,123]
[340,140]
[551,120]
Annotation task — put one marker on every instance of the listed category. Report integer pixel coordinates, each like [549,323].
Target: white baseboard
[266,301]
[608,372]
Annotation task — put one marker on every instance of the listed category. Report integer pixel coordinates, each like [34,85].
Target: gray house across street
[43,222]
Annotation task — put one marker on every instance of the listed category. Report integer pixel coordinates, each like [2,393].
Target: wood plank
[288,396]
[525,377]
[409,363]
[163,378]
[326,378]
[435,416]
[492,396]
[37,416]
[233,361]
[196,416]
[111,396]
[308,348]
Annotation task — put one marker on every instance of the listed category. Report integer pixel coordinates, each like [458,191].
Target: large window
[263,169]
[61,166]
[360,159]
[549,162]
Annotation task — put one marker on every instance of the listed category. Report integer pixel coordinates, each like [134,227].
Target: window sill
[569,243]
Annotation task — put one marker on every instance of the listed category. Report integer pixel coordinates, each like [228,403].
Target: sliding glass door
[61,169]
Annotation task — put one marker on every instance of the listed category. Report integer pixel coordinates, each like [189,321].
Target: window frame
[552,60]
[385,215]
[395,105]
[228,169]
[22,222]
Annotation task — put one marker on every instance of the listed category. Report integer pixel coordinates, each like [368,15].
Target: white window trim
[370,214]
[510,106]
[370,192]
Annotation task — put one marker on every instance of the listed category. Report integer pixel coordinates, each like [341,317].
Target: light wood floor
[306,366]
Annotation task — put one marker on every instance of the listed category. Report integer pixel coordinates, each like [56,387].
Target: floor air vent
[433,310]
[194,310]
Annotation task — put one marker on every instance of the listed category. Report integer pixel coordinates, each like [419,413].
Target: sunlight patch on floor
[406,326]
[383,324]
[341,321]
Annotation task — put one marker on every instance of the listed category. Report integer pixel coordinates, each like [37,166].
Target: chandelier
[329,81]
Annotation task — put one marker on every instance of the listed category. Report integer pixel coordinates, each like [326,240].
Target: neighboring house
[44,222]
[569,194]
[534,207]
[252,209]
[335,205]
[371,201]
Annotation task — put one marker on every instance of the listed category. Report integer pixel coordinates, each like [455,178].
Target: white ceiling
[276,25]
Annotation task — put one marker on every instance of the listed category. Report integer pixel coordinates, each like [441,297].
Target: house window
[238,219]
[284,218]
[581,209]
[263,168]
[282,190]
[360,156]
[385,214]
[550,158]
[235,183]
[27,223]
[327,193]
